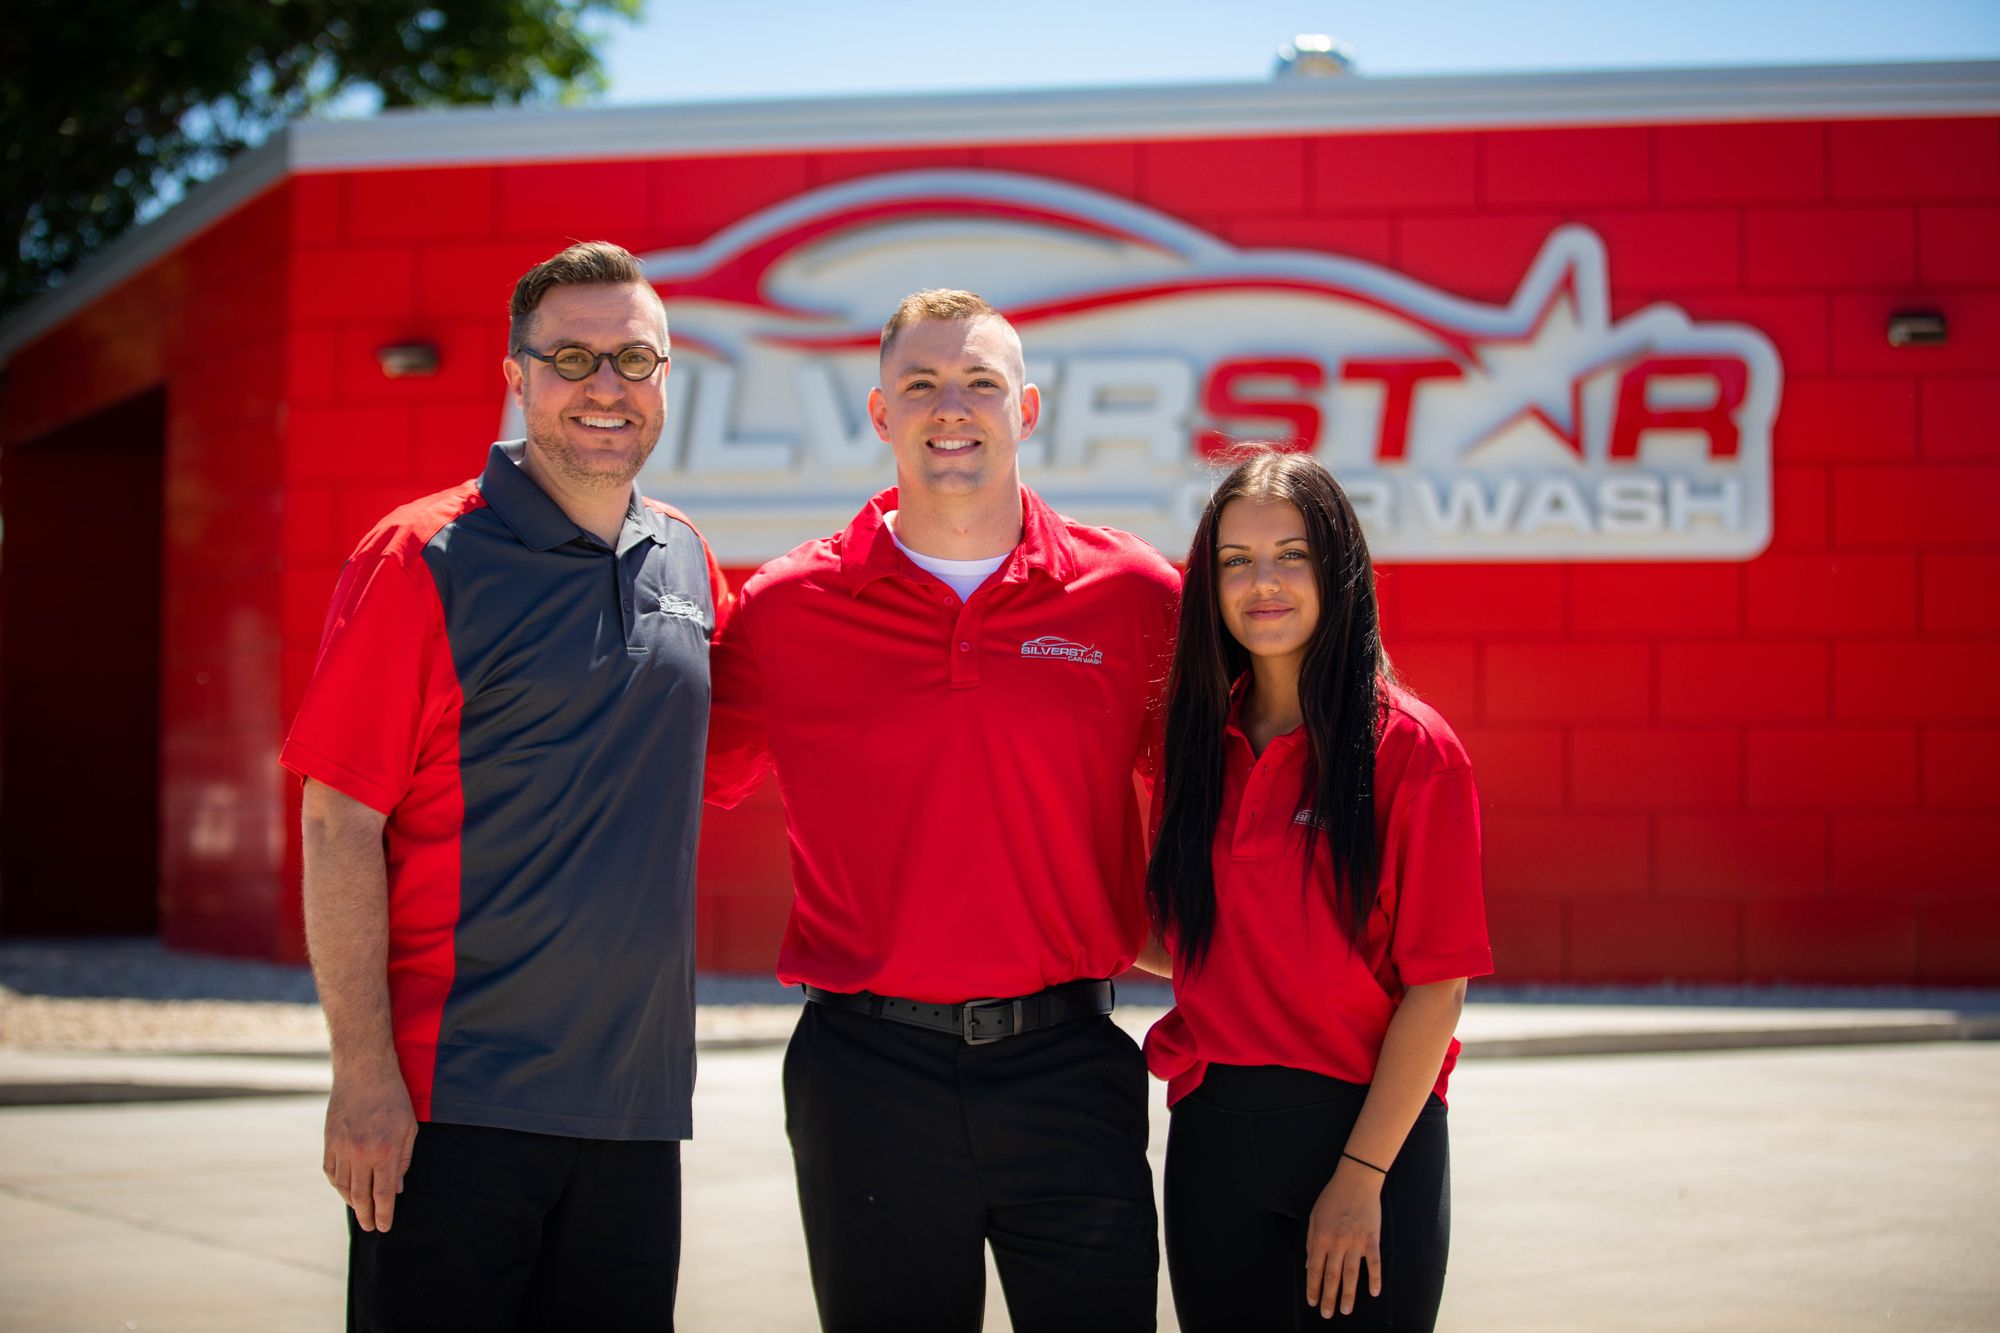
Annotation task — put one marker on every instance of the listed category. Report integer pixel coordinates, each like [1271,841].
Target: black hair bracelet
[1382,1170]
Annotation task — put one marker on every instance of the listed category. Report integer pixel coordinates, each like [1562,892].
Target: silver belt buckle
[965,1021]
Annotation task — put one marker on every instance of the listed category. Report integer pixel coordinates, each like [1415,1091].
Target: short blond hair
[935,303]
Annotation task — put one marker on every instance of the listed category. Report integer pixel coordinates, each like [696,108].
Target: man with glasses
[502,747]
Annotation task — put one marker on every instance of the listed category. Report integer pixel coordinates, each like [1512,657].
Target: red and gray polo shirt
[529,707]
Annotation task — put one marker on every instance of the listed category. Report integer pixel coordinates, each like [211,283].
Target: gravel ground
[134,995]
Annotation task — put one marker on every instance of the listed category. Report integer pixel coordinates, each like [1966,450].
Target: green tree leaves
[110,106]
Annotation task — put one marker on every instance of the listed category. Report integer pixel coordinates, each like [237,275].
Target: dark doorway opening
[80,675]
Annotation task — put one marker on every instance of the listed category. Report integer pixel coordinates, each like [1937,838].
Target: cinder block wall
[208,322]
[1772,770]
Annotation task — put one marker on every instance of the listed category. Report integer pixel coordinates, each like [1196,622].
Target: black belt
[980,1021]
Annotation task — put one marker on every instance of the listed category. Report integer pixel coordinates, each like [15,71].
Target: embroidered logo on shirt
[1055,648]
[676,605]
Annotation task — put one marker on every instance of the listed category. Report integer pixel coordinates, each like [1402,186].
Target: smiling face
[954,407]
[595,433]
[1264,581]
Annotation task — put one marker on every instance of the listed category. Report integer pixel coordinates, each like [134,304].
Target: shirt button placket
[1248,824]
[964,655]
[621,583]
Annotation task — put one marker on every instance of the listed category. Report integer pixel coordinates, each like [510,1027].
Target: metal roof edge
[1292,106]
[257,170]
[1601,97]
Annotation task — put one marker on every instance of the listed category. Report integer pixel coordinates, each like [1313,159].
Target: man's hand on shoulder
[370,1134]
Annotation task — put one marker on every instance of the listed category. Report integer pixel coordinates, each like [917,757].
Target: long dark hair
[1339,693]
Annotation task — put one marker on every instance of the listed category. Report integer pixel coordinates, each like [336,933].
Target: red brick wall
[1778,769]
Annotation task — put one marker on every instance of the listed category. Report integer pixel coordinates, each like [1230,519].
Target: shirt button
[965,645]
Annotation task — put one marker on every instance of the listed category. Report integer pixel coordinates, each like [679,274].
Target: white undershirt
[961,576]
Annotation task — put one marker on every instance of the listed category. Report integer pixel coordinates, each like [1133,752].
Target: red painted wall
[1778,769]
[207,323]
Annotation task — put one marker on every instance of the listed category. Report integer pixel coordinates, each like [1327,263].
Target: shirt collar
[868,550]
[642,523]
[537,520]
[1233,723]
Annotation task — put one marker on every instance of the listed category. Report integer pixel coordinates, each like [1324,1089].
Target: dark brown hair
[1340,683]
[585,264]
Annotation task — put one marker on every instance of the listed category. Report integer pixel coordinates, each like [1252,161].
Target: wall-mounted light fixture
[1916,328]
[408,360]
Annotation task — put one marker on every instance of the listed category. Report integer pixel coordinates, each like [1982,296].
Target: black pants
[1247,1155]
[497,1231]
[913,1149]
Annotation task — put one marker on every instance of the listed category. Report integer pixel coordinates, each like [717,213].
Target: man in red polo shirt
[955,693]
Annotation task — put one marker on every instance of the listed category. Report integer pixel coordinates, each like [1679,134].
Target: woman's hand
[1345,1230]
[1346,1225]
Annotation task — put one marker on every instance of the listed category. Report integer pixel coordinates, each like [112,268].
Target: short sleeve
[1163,624]
[1432,852]
[381,685]
[719,596]
[739,752]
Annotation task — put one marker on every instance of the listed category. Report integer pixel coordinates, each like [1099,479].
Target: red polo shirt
[957,776]
[1280,985]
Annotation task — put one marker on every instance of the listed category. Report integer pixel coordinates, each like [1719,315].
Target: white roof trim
[1292,106]
[1302,106]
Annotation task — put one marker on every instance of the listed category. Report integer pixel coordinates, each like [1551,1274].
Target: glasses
[579,363]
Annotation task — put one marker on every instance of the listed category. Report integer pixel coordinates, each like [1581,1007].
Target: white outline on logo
[673,604]
[1055,648]
[1506,459]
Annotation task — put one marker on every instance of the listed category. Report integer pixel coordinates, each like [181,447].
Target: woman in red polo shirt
[1316,880]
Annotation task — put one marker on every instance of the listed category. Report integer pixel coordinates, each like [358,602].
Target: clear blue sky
[793,48]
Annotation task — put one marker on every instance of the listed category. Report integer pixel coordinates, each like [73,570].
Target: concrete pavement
[1720,1159]
[1845,1187]
[1823,1189]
